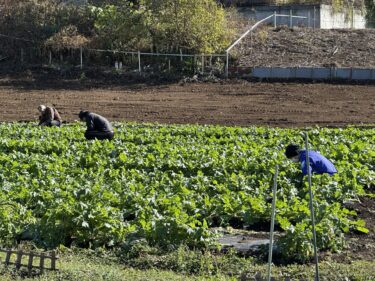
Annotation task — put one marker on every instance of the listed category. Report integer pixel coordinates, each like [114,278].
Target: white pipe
[247,32]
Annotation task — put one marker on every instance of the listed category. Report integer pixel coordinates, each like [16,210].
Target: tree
[165,25]
[121,27]
[195,25]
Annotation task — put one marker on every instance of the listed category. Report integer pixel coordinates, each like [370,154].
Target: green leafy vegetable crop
[170,184]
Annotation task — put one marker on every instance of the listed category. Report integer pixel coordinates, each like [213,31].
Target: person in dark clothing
[318,163]
[49,116]
[98,127]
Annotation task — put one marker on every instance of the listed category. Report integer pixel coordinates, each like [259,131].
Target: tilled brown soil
[227,103]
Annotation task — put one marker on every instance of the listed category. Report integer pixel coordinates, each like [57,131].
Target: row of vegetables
[171,184]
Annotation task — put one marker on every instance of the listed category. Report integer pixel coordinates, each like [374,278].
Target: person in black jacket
[98,127]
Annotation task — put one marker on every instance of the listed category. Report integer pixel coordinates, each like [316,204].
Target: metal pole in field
[311,207]
[291,18]
[272,222]
[139,62]
[22,55]
[314,17]
[308,19]
[81,56]
[274,19]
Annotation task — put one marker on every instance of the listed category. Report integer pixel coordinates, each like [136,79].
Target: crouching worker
[98,127]
[318,163]
[49,116]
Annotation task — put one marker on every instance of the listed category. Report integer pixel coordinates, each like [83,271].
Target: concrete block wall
[314,73]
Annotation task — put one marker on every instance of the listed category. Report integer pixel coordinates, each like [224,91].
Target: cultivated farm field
[160,194]
[171,184]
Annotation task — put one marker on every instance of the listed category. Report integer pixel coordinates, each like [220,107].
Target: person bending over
[318,163]
[98,127]
[49,116]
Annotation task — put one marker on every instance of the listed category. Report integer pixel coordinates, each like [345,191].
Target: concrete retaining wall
[314,73]
[319,16]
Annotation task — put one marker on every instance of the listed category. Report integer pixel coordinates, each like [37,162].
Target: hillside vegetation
[36,26]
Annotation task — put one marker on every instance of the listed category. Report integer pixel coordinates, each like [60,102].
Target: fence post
[19,259]
[202,63]
[169,65]
[30,263]
[7,258]
[314,18]
[291,19]
[50,57]
[226,65]
[181,55]
[274,19]
[81,56]
[308,19]
[22,55]
[53,260]
[139,62]
[41,264]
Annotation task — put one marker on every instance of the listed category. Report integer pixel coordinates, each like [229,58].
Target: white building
[318,15]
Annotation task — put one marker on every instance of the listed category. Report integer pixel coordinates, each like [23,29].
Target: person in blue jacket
[318,163]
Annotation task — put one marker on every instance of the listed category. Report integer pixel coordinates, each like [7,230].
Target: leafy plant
[170,184]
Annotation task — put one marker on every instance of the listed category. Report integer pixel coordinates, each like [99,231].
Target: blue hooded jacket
[318,163]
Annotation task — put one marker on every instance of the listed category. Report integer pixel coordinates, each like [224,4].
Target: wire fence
[117,60]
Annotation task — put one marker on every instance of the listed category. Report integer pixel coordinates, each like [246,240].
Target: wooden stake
[41,263]
[19,259]
[30,263]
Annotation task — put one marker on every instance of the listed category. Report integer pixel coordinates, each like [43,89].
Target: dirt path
[227,103]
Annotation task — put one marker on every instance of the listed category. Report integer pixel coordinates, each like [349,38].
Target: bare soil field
[238,102]
[234,103]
